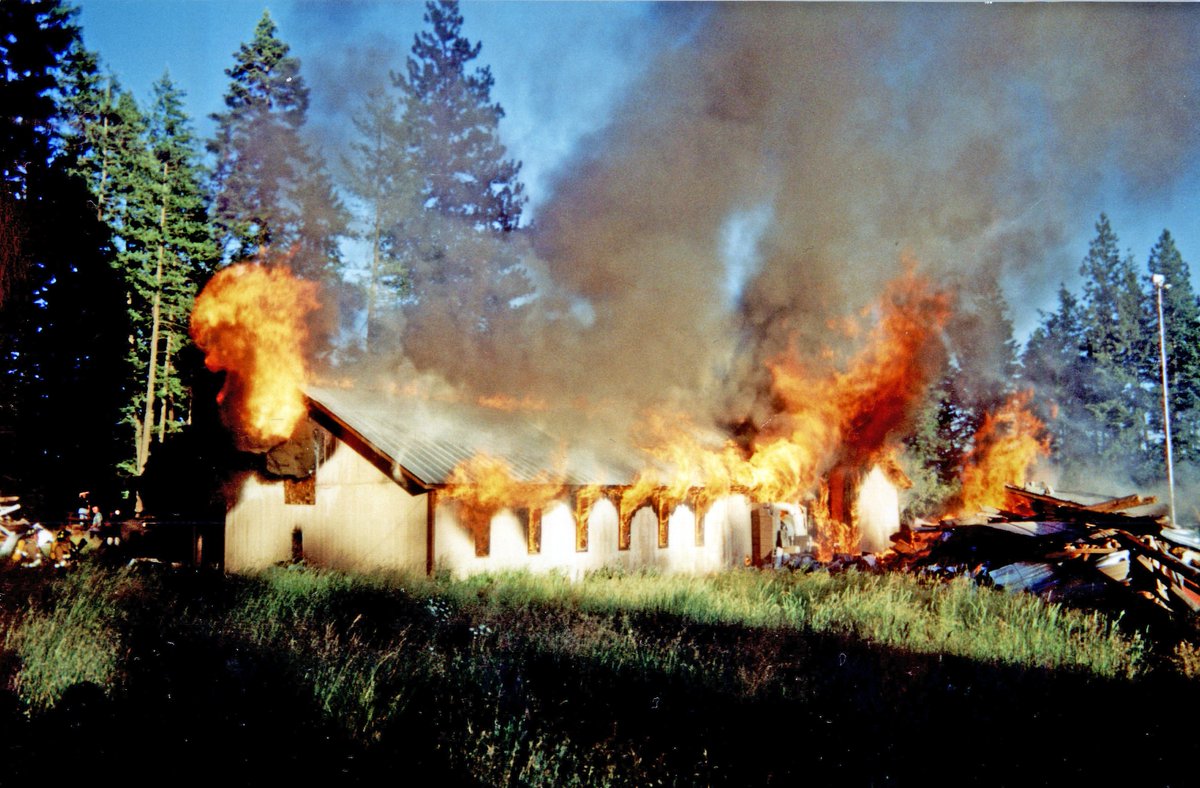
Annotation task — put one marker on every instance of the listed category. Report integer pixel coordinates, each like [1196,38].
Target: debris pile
[1069,549]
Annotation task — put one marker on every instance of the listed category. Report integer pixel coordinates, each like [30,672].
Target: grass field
[739,678]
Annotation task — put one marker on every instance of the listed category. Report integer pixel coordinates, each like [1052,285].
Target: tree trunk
[372,294]
[155,321]
[166,393]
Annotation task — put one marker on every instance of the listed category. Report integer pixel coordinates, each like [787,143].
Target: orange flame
[509,404]
[489,483]
[251,321]
[844,417]
[485,485]
[839,417]
[1007,445]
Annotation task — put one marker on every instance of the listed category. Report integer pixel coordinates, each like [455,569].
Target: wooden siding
[361,521]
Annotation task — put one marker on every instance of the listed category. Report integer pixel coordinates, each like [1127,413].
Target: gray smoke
[776,161]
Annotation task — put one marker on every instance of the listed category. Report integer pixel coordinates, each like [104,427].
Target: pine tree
[1181,323]
[108,139]
[982,349]
[322,223]
[455,125]
[127,206]
[146,184]
[1114,316]
[934,450]
[38,38]
[61,323]
[90,100]
[1055,364]
[467,276]
[380,174]
[183,253]
[272,197]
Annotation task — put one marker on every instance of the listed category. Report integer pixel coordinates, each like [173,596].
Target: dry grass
[515,679]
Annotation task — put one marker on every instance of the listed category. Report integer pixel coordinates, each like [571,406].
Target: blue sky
[577,54]
[560,70]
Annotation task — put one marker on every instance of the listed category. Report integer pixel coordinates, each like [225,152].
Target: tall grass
[76,638]
[483,672]
[896,610]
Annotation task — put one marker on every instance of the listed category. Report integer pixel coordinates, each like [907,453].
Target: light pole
[1159,285]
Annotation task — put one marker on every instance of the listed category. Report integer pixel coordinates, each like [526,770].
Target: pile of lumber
[1064,547]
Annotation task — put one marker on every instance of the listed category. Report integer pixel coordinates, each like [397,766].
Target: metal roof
[426,440]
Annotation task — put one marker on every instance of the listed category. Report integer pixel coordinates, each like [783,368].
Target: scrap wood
[1045,498]
[1072,549]
[1080,551]
[1186,555]
[1169,561]
[1120,504]
[1181,537]
[1096,515]
[1115,566]
[1035,529]
[1110,506]
[1189,598]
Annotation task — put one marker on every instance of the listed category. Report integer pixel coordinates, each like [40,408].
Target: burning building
[380,481]
[358,478]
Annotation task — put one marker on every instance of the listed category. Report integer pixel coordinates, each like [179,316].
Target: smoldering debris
[1120,553]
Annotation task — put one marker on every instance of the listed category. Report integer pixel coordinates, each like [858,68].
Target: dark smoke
[967,137]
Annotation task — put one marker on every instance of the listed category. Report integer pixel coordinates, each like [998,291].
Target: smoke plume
[776,161]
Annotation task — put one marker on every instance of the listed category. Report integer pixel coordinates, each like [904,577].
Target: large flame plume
[824,419]
[1007,445]
[251,322]
[841,416]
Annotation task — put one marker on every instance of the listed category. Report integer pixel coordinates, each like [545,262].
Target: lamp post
[1159,285]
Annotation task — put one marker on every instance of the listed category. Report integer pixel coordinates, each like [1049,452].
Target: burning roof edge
[419,443]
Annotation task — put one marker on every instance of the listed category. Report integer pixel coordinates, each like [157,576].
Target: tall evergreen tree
[1055,364]
[1181,323]
[455,124]
[1114,316]
[182,254]
[982,348]
[980,374]
[109,138]
[61,322]
[379,173]
[272,197]
[934,449]
[38,37]
[467,277]
[90,98]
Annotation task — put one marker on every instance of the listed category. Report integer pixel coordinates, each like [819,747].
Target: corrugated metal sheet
[1037,528]
[429,439]
[1025,575]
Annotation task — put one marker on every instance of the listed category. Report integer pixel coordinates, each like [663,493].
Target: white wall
[362,521]
[643,541]
[603,535]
